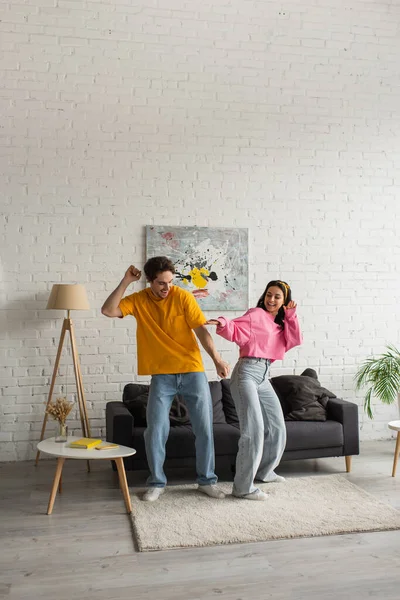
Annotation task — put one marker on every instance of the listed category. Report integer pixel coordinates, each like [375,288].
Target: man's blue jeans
[195,390]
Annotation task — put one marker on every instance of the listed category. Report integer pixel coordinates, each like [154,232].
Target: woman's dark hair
[287,295]
[157,264]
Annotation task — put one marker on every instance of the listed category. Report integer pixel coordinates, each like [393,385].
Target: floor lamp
[68,297]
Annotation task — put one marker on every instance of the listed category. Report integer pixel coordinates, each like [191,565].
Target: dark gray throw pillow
[135,397]
[137,407]
[302,397]
[179,414]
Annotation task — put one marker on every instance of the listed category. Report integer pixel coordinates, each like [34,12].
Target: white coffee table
[395,426]
[63,451]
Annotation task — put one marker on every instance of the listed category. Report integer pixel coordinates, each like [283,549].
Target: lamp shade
[68,296]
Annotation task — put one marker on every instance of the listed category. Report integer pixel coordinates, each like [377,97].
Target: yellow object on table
[107,446]
[85,443]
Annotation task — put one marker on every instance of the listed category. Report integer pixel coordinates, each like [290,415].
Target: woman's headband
[286,286]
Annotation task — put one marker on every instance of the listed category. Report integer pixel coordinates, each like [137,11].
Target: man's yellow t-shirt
[165,340]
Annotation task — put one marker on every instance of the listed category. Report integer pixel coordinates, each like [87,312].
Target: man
[166,317]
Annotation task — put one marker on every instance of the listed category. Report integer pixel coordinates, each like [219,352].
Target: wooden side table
[63,451]
[395,425]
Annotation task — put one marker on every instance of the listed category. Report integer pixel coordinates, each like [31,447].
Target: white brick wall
[284,118]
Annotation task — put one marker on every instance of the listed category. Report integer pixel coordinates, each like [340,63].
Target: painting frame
[212,263]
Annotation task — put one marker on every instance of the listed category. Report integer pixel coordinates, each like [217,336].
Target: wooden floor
[85,549]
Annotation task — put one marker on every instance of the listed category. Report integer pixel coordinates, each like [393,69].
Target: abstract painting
[210,262]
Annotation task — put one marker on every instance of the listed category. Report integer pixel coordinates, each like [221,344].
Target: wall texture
[280,117]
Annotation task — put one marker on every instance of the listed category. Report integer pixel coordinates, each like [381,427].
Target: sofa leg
[348,463]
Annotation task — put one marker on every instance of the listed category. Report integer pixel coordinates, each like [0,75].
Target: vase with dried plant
[60,410]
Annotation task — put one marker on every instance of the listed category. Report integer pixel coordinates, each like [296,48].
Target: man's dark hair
[157,264]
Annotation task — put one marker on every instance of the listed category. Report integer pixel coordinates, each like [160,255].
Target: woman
[264,334]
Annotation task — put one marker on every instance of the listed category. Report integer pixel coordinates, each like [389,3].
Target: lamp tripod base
[68,327]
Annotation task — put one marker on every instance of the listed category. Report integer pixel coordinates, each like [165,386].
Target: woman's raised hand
[291,304]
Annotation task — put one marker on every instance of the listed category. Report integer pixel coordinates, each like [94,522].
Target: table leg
[123,483]
[396,455]
[348,463]
[57,477]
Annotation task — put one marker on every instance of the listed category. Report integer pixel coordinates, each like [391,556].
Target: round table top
[394,425]
[62,449]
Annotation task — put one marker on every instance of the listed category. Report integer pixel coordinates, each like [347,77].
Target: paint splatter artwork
[211,263]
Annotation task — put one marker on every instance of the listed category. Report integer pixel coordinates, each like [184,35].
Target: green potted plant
[382,375]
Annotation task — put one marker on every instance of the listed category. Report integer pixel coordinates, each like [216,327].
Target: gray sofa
[333,430]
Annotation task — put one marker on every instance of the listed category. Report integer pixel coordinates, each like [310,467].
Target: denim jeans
[195,390]
[262,426]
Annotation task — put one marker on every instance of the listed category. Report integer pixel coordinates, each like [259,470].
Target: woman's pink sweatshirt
[258,335]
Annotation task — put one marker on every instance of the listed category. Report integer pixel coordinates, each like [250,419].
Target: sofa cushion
[310,373]
[216,397]
[178,414]
[228,404]
[226,439]
[137,407]
[181,441]
[135,397]
[307,435]
[302,397]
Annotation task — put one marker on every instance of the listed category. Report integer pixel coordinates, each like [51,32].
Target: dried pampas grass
[59,409]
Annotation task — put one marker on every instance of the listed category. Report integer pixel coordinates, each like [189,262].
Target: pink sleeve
[292,333]
[235,330]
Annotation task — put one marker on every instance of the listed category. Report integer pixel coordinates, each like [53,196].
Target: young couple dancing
[167,349]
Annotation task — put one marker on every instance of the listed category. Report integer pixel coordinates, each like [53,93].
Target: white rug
[301,507]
